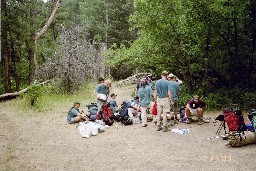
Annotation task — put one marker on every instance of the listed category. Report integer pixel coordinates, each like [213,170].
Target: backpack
[106,115]
[126,120]
[235,120]
[182,112]
[92,111]
[123,113]
[252,118]
[124,108]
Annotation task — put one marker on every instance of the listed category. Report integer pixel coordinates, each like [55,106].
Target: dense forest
[210,45]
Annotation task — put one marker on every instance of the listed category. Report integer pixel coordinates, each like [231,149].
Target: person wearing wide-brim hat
[175,88]
[74,115]
[163,97]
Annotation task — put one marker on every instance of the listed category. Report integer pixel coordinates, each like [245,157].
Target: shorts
[71,120]
[163,104]
[194,112]
[174,107]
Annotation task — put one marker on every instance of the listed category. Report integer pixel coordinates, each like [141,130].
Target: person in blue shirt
[151,83]
[102,91]
[163,97]
[112,103]
[74,115]
[144,94]
[175,88]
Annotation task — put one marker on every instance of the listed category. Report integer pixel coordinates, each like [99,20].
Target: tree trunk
[206,61]
[41,33]
[5,48]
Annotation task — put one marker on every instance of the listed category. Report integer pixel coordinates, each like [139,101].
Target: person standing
[102,92]
[151,83]
[163,97]
[175,88]
[144,94]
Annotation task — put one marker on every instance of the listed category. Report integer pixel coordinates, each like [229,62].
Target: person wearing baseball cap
[195,107]
[74,115]
[112,103]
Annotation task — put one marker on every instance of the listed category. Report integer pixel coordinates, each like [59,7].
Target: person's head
[171,77]
[143,82]
[101,80]
[196,98]
[136,98]
[77,104]
[149,77]
[164,74]
[113,95]
[107,83]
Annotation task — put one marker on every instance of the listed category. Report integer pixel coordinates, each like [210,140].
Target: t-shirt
[162,87]
[145,95]
[175,87]
[113,105]
[194,105]
[101,89]
[72,113]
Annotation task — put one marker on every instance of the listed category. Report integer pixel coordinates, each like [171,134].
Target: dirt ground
[48,142]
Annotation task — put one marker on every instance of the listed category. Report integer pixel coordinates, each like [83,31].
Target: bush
[248,100]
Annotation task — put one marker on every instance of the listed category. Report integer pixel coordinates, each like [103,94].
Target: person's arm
[170,93]
[188,107]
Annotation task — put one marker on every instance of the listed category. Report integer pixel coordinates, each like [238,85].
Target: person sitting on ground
[195,107]
[74,115]
[112,103]
[133,109]
[144,94]
[102,92]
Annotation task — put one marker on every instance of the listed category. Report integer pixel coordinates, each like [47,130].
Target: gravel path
[47,142]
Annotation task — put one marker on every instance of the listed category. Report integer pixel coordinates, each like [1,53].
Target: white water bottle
[185,131]
[177,131]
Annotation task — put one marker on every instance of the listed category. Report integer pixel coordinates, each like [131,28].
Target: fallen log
[240,139]
[9,96]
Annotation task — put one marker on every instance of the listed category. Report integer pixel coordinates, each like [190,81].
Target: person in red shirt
[195,107]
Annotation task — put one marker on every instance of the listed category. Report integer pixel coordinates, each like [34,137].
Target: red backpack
[106,114]
[235,120]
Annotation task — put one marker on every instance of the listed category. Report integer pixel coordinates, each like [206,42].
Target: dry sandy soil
[46,142]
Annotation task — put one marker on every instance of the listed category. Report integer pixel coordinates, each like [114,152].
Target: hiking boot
[200,122]
[176,121]
[189,121]
[145,125]
[165,129]
[159,128]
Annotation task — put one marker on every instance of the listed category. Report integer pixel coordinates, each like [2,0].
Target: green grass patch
[47,98]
